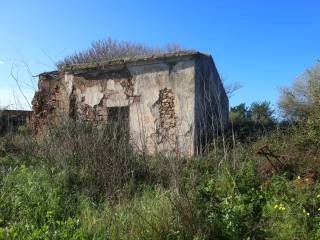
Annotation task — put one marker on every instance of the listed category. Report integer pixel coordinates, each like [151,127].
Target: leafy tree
[250,122]
[262,113]
[299,100]
[239,113]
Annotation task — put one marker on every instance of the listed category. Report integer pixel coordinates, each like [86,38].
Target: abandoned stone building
[173,102]
[11,120]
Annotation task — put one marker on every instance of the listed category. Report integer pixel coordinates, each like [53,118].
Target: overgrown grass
[81,182]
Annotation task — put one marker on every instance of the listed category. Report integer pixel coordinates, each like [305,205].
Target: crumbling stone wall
[162,121]
[94,93]
[11,120]
[47,102]
[167,121]
[159,95]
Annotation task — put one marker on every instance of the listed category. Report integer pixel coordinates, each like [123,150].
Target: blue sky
[262,45]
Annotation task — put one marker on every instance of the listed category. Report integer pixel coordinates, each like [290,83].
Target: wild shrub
[98,161]
[247,124]
[292,209]
[35,206]
[294,144]
[110,49]
[148,215]
[219,203]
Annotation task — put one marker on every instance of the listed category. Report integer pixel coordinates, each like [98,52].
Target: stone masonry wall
[167,117]
[160,96]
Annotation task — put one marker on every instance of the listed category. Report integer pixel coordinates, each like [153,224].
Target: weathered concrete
[176,102]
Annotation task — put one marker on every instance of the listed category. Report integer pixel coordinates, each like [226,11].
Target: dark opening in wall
[118,120]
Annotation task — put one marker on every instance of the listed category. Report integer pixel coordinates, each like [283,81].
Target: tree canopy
[250,122]
[299,100]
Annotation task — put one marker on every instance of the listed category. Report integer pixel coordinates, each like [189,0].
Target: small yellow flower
[298,177]
[305,212]
[280,207]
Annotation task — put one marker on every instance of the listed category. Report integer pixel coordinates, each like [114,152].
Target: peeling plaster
[162,98]
[92,95]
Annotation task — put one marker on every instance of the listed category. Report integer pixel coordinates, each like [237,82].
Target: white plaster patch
[111,85]
[68,79]
[117,100]
[93,95]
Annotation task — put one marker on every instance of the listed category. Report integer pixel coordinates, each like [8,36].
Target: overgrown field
[259,180]
[84,183]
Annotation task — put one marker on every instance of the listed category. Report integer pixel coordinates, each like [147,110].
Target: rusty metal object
[279,163]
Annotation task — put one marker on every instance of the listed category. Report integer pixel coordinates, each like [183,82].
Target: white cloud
[1,62]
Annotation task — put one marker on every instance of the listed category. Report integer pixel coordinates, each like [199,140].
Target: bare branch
[108,49]
[16,78]
[232,88]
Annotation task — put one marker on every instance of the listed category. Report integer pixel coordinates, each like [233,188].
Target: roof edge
[123,61]
[139,59]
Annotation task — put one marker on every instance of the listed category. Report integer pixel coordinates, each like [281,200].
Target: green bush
[292,210]
[34,206]
[147,216]
[231,204]
[83,182]
[97,161]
